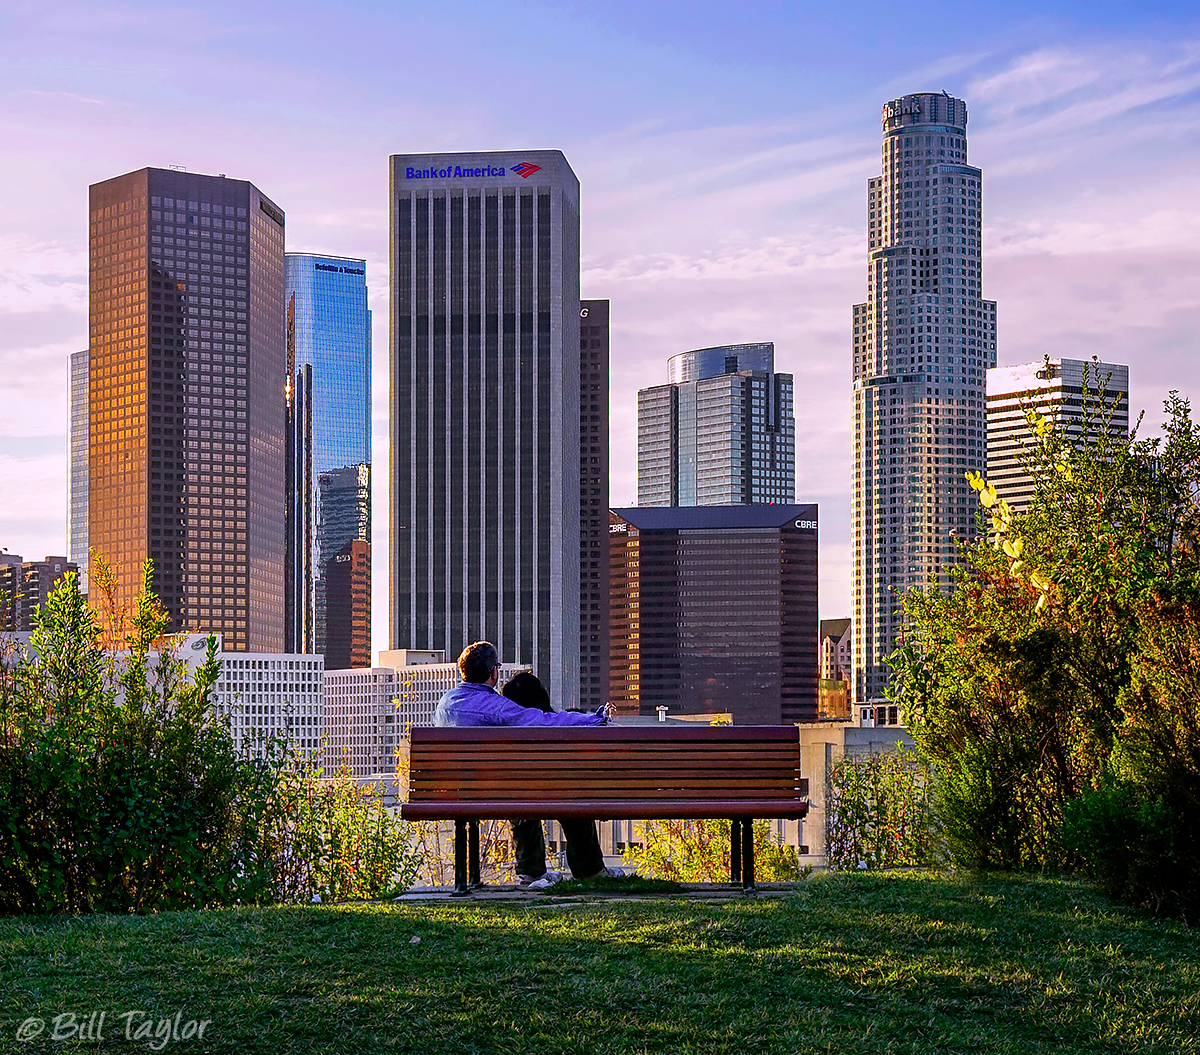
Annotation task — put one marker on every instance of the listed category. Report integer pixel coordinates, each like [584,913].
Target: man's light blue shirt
[472,703]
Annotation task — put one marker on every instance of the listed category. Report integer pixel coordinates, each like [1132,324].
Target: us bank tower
[923,340]
[485,405]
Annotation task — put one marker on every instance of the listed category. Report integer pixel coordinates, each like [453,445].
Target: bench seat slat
[580,753]
[605,809]
[569,773]
[698,795]
[608,734]
[464,784]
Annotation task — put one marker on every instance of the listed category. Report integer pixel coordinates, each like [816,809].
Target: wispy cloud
[70,96]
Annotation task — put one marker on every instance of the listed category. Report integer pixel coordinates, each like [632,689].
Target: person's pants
[584,856]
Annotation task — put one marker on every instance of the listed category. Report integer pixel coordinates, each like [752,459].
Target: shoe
[547,879]
[613,873]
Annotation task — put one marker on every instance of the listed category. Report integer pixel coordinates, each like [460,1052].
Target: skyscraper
[1054,388]
[721,432]
[922,341]
[593,503]
[715,609]
[186,398]
[77,468]
[347,580]
[484,488]
[329,367]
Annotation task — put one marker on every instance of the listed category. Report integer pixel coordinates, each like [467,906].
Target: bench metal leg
[460,860]
[735,851]
[747,854]
[473,854]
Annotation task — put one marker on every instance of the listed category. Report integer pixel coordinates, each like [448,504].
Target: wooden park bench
[607,772]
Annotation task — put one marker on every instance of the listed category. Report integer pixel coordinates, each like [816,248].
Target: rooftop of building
[685,518]
[834,628]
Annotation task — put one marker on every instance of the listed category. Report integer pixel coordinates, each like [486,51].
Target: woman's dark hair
[526,690]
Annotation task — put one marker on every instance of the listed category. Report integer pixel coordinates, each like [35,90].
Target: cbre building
[484,392]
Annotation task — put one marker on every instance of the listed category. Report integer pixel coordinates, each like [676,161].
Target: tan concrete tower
[923,340]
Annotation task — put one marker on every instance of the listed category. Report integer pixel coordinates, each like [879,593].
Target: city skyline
[719,217]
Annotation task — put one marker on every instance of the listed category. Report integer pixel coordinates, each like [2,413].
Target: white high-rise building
[1054,388]
[369,710]
[923,340]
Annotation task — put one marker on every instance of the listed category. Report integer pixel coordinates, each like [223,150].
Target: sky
[722,149]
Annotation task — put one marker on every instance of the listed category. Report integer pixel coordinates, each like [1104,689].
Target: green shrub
[698,851]
[1055,687]
[878,811]
[121,790]
[1144,850]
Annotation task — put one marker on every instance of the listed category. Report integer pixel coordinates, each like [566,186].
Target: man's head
[479,662]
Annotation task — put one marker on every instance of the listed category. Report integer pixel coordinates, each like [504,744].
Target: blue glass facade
[329,346]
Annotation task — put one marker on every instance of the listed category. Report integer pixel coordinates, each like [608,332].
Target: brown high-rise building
[714,609]
[348,607]
[186,398]
[593,503]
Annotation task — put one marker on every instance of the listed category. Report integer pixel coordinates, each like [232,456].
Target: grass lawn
[850,963]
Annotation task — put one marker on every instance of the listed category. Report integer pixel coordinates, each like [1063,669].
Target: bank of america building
[484,478]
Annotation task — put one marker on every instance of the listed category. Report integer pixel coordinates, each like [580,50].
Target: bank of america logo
[525,169]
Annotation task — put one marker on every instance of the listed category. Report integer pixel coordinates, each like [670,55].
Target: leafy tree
[1051,672]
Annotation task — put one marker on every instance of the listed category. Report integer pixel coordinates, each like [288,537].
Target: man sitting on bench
[477,703]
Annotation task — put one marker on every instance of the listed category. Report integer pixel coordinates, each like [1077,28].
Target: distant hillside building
[714,609]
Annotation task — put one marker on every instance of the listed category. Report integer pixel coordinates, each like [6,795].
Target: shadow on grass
[853,963]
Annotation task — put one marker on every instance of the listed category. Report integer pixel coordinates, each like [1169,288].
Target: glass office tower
[721,432]
[186,374]
[484,539]
[77,470]
[922,341]
[329,356]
